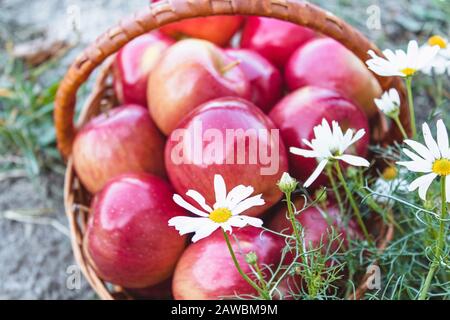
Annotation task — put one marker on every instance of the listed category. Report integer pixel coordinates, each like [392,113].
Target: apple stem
[239,269]
[230,66]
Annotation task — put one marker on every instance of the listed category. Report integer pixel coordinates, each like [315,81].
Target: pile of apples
[277,75]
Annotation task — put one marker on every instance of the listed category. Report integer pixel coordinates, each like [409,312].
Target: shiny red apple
[133,64]
[299,112]
[217,29]
[328,64]
[317,226]
[190,73]
[274,39]
[128,237]
[265,80]
[233,138]
[122,140]
[206,271]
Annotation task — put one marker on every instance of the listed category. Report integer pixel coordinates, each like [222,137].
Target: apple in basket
[190,73]
[317,225]
[133,64]
[265,80]
[206,271]
[299,112]
[233,138]
[327,63]
[274,39]
[128,239]
[122,140]
[217,29]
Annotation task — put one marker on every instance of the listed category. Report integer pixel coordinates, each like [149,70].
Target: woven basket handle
[162,13]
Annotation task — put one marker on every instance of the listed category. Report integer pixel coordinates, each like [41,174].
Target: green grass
[27,136]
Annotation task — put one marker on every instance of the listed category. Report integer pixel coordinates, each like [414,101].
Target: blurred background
[38,41]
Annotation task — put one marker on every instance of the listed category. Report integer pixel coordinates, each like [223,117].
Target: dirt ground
[35,258]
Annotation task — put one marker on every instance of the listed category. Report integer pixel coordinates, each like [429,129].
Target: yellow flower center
[442,167]
[220,215]
[437,41]
[390,173]
[408,71]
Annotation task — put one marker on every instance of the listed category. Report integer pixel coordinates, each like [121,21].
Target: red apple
[128,237]
[317,225]
[123,140]
[206,271]
[230,137]
[328,64]
[217,29]
[299,112]
[133,64]
[190,73]
[274,39]
[265,80]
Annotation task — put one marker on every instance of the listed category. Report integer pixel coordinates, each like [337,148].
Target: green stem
[439,247]
[241,272]
[353,202]
[292,218]
[400,126]
[335,189]
[260,276]
[412,112]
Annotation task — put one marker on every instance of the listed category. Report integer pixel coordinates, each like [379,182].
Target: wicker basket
[101,52]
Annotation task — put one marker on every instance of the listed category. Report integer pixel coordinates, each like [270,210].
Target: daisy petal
[220,190]
[354,160]
[412,155]
[206,230]
[303,152]
[199,199]
[247,204]
[430,142]
[420,149]
[187,224]
[186,205]
[423,183]
[447,188]
[415,166]
[242,221]
[316,173]
[237,195]
[442,139]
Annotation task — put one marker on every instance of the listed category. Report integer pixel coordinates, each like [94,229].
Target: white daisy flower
[390,181]
[330,144]
[389,103]
[441,63]
[401,63]
[224,214]
[432,159]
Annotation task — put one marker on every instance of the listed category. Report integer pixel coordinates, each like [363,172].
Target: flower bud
[251,258]
[287,184]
